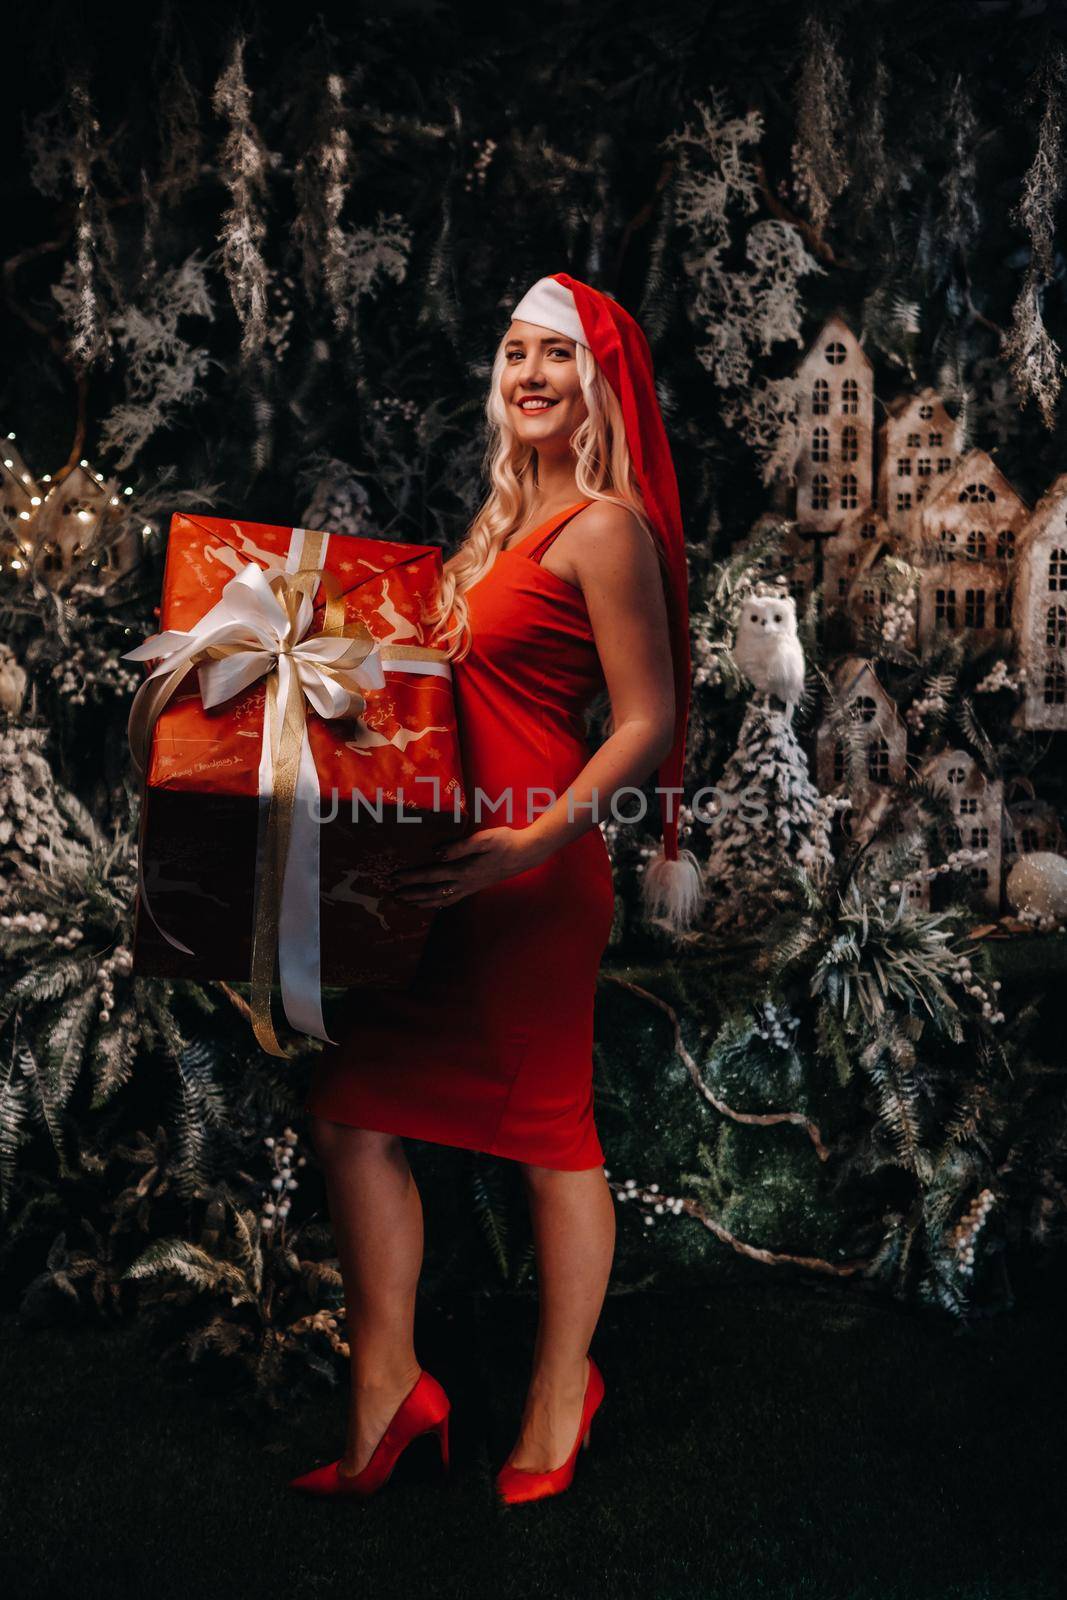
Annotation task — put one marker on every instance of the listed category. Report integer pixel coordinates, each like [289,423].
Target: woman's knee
[341,1141]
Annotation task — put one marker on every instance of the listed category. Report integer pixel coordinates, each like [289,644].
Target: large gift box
[297,740]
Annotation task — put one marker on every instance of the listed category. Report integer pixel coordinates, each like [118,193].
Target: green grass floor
[755,1441]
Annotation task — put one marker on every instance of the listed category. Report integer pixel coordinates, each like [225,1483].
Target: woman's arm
[621,580]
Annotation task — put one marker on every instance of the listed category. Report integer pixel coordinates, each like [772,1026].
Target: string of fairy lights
[26,485]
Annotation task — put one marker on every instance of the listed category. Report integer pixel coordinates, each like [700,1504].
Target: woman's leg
[376,1214]
[573,1217]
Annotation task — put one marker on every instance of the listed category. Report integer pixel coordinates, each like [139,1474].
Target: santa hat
[672,886]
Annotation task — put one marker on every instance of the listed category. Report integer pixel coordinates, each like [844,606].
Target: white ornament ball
[1038,883]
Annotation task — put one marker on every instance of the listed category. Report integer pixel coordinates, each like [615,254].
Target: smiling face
[540,367]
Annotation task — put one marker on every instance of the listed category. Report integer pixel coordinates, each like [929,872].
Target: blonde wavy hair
[603,471]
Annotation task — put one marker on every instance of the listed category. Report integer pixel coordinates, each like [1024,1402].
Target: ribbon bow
[259,628]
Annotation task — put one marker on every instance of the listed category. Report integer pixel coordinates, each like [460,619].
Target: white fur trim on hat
[550,304]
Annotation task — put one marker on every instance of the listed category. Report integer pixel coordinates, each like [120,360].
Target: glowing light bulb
[127,490]
[83,462]
[35,499]
[47,478]
[17,565]
[25,516]
[8,462]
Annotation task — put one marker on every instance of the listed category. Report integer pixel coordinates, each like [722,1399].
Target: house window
[974,608]
[850,397]
[868,598]
[914,889]
[850,491]
[945,607]
[956,775]
[979,838]
[868,530]
[1002,608]
[852,558]
[850,445]
[914,441]
[904,500]
[903,466]
[842,588]
[981,876]
[1056,627]
[968,806]
[948,541]
[864,708]
[953,837]
[1057,569]
[1031,840]
[976,545]
[835,353]
[934,440]
[926,411]
[839,762]
[820,492]
[820,398]
[878,761]
[977,493]
[1006,544]
[820,444]
[1055,685]
[922,466]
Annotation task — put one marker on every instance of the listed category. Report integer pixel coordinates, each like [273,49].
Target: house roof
[975,463]
[902,403]
[835,324]
[854,672]
[1050,502]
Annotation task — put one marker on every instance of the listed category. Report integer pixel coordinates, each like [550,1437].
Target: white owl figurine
[767,648]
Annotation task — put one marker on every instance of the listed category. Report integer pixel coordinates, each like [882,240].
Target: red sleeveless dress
[491,1046]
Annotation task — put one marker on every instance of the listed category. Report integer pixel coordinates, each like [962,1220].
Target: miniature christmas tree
[768,814]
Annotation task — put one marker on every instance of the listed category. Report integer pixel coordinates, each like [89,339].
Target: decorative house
[1030,825]
[835,418]
[869,594]
[920,443]
[73,524]
[872,754]
[881,864]
[792,558]
[1039,612]
[977,807]
[963,538]
[862,537]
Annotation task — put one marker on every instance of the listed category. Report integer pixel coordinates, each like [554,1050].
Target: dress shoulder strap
[538,549]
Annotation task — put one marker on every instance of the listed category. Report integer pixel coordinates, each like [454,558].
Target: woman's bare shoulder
[606,531]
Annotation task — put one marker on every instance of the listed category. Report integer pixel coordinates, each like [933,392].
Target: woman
[571,579]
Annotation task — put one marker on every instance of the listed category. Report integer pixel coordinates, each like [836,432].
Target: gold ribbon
[286,734]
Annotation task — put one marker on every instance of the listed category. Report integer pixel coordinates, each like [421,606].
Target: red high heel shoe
[516,1484]
[424,1409]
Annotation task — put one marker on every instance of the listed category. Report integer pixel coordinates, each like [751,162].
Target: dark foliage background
[302,233]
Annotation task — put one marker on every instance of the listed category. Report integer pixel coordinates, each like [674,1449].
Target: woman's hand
[466,865]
